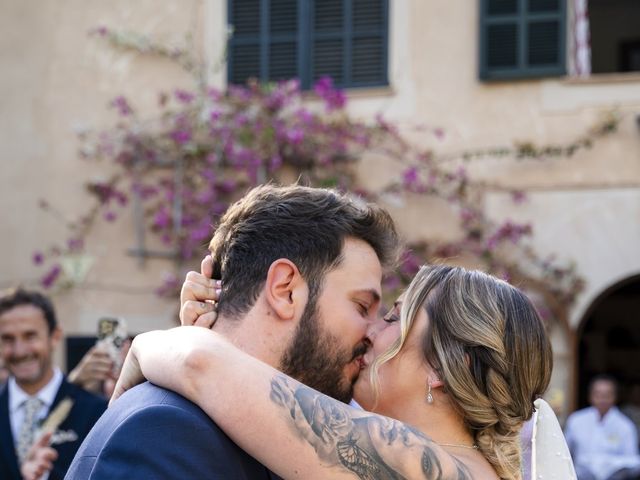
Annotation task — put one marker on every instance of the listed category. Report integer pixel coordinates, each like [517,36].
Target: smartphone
[112,332]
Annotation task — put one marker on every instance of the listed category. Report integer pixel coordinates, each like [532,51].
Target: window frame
[522,18]
[304,40]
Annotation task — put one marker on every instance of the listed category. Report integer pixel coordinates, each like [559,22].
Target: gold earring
[429,396]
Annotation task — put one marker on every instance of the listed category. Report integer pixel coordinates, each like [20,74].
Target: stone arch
[607,339]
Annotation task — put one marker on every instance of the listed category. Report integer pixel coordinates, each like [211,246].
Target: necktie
[28,428]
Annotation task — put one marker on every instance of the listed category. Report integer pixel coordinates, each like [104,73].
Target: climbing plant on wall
[181,169]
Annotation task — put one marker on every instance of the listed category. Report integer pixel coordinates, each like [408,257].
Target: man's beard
[316,357]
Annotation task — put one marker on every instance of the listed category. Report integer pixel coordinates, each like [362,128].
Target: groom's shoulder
[149,430]
[147,394]
[148,414]
[148,400]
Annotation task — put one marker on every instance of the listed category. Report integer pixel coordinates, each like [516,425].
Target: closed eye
[363,309]
[391,317]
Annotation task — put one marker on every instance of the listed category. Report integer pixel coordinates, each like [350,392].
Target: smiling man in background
[29,335]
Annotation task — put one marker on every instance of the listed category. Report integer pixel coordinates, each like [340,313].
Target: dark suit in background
[151,433]
[86,410]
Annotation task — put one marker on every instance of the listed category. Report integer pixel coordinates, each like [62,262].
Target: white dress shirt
[602,445]
[17,397]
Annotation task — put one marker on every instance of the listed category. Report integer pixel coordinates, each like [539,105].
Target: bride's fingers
[197,287]
[192,310]
[207,320]
[206,266]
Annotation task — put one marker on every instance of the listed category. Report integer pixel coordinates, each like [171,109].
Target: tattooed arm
[294,430]
[370,446]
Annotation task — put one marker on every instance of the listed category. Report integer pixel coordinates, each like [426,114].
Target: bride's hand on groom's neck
[198,296]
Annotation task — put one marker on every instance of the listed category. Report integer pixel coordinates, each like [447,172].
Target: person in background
[4,373]
[29,335]
[603,442]
[632,407]
[97,372]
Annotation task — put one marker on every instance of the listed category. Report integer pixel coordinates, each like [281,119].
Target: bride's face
[402,377]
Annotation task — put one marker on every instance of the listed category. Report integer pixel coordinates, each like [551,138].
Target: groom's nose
[373,329]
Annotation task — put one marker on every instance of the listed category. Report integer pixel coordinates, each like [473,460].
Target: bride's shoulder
[472,466]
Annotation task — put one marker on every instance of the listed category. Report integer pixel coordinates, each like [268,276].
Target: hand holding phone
[112,336]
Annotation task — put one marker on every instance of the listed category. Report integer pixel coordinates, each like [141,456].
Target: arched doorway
[608,338]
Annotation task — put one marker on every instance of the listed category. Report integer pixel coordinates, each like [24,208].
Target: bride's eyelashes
[391,317]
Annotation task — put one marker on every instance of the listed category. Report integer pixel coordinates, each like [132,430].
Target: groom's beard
[316,358]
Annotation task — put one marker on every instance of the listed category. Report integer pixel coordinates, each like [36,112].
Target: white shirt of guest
[605,445]
[17,397]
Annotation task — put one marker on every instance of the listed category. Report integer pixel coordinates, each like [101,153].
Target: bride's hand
[197,297]
[130,375]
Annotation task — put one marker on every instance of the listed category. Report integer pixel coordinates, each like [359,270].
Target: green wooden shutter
[327,40]
[266,42]
[369,43]
[245,44]
[522,38]
[283,40]
[349,42]
[280,39]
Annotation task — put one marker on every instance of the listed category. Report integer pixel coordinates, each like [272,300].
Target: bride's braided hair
[489,347]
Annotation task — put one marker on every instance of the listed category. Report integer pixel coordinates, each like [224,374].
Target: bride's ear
[434,381]
[286,291]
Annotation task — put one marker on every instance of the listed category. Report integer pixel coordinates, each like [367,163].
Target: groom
[301,269]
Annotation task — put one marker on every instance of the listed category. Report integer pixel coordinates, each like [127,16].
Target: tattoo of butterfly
[357,460]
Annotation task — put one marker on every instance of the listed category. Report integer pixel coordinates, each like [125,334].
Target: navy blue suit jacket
[151,433]
[86,410]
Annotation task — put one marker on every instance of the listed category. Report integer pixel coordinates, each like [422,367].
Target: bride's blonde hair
[490,348]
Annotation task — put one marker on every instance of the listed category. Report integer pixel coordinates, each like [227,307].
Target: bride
[461,356]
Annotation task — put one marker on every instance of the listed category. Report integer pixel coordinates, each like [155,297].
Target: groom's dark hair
[305,225]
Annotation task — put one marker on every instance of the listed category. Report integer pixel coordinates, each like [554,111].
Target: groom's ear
[285,289]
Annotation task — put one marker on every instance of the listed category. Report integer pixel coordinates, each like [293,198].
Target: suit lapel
[7,450]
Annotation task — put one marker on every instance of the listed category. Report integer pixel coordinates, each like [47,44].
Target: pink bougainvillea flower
[110,216]
[410,177]
[38,258]
[162,219]
[334,98]
[518,196]
[183,96]
[51,276]
[120,103]
[275,162]
[181,136]
[75,244]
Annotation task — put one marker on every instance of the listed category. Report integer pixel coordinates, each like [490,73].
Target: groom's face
[327,349]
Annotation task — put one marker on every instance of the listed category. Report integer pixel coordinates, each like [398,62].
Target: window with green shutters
[308,39]
[522,38]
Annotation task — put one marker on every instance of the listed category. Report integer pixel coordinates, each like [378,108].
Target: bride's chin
[362,393]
